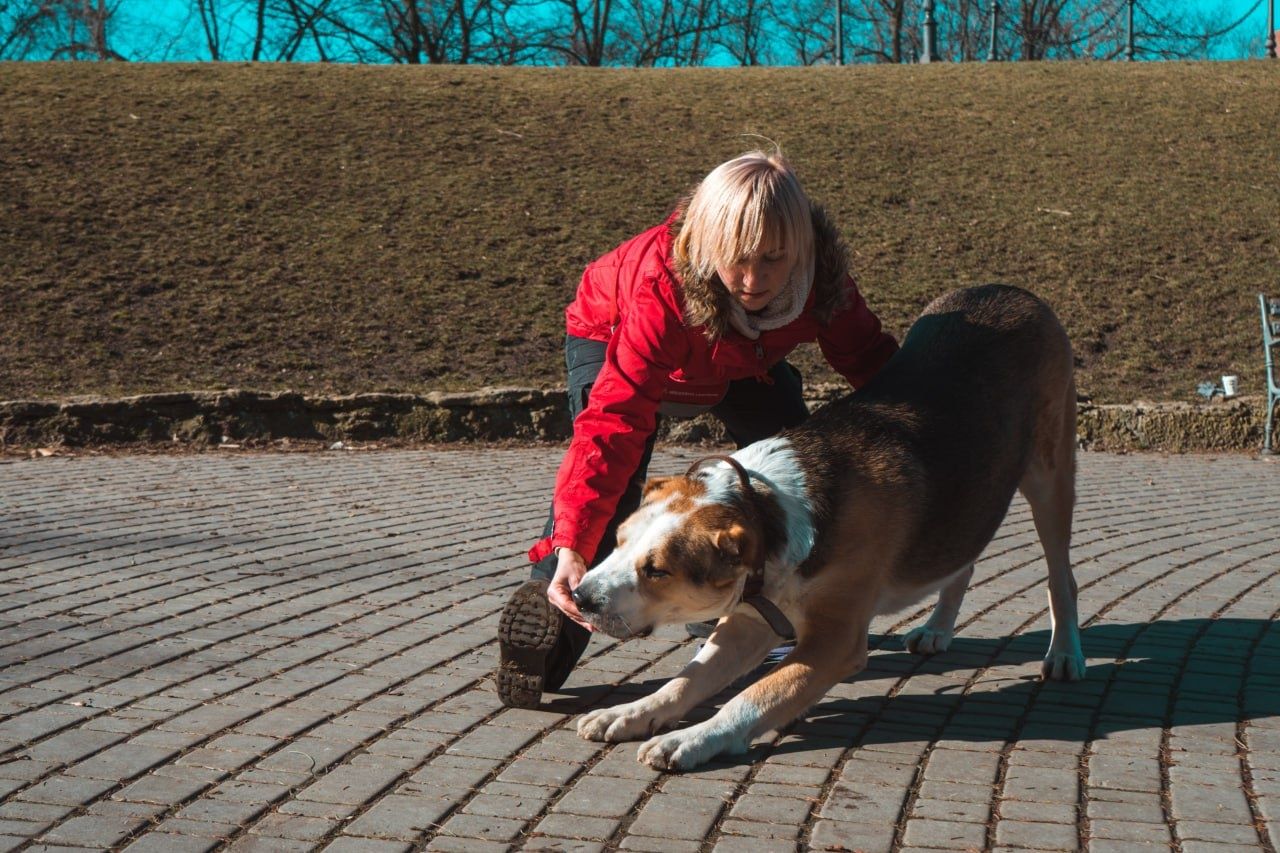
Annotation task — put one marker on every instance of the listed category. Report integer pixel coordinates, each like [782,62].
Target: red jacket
[630,299]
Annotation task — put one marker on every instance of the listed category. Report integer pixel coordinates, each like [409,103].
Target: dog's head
[682,556]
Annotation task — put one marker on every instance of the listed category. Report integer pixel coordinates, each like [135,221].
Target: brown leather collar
[753,589]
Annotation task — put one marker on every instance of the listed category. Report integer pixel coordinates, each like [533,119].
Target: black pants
[751,410]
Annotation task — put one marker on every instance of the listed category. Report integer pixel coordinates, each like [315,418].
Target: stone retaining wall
[203,418]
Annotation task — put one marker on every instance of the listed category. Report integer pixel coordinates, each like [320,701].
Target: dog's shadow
[1141,676]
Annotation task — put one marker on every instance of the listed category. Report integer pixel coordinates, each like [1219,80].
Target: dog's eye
[653,573]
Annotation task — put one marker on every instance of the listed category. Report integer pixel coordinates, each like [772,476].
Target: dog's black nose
[578,599]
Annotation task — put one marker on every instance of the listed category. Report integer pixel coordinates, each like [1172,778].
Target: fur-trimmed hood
[706,300]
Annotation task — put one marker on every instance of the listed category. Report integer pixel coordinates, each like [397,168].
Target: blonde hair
[742,204]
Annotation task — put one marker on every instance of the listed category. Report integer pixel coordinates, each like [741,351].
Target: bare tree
[883,26]
[580,32]
[665,32]
[807,28]
[744,31]
[57,29]
[211,26]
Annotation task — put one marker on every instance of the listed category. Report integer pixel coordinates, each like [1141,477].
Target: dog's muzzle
[598,615]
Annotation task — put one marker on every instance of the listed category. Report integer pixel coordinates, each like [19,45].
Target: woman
[696,314]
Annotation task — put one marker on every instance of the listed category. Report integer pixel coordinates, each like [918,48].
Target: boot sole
[527,632]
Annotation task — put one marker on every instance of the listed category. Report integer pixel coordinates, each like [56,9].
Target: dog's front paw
[1063,666]
[926,640]
[683,749]
[631,721]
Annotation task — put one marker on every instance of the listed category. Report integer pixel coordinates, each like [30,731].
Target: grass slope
[343,229]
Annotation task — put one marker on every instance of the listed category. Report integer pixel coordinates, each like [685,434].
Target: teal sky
[170,30]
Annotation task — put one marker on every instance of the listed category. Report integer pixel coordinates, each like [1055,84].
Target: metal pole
[930,34]
[995,25]
[1129,50]
[1271,29]
[839,32]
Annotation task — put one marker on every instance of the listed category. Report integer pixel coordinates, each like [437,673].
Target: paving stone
[197,828]
[484,827]
[296,827]
[1150,833]
[457,771]
[599,796]
[1210,803]
[672,816]
[259,844]
[1043,812]
[659,845]
[1127,772]
[771,809]
[753,829]
[531,771]
[577,826]
[951,810]
[466,845]
[864,803]
[520,808]
[24,828]
[551,844]
[405,818]
[123,762]
[164,842]
[492,742]
[1036,836]
[1220,833]
[67,790]
[1041,784]
[838,835]
[944,835]
[1193,846]
[351,784]
[731,844]
[948,765]
[1150,812]
[366,845]
[222,811]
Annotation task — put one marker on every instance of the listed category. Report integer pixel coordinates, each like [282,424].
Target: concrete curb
[204,418]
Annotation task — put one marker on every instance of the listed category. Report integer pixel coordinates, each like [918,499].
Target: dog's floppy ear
[729,542]
[652,485]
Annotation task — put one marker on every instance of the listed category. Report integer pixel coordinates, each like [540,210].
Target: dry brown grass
[344,229]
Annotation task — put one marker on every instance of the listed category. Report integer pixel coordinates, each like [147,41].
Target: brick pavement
[292,652]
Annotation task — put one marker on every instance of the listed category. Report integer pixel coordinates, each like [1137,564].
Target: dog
[879,499]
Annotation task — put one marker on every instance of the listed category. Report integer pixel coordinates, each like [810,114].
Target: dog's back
[948,426]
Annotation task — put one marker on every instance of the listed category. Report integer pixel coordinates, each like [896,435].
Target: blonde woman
[696,314]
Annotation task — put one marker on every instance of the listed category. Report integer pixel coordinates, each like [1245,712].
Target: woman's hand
[569,571]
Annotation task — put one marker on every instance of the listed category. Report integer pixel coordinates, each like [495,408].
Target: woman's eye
[654,573]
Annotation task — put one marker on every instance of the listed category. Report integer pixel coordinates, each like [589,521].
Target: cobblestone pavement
[293,652]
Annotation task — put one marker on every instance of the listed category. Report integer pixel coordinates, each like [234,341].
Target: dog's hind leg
[935,634]
[1049,487]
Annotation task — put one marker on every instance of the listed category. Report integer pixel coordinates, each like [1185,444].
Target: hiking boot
[527,635]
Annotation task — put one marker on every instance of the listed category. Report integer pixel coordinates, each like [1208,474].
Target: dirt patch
[339,230]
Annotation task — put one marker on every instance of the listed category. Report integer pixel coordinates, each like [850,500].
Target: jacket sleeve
[610,434]
[853,342]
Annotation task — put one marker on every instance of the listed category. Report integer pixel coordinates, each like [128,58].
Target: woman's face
[755,279]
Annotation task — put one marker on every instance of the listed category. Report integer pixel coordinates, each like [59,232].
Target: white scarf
[781,310]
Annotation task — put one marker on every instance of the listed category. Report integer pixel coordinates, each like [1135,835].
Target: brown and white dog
[878,500]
